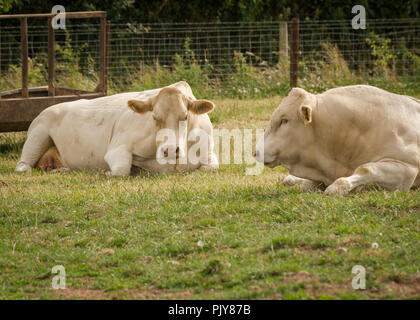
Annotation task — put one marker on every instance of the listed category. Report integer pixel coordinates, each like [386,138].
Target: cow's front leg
[391,175]
[212,163]
[119,161]
[304,184]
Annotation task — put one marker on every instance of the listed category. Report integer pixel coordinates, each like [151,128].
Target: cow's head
[289,131]
[171,112]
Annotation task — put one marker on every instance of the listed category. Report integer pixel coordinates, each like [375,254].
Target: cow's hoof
[289,181]
[23,167]
[340,187]
[304,184]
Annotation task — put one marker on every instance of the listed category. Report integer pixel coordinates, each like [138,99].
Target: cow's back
[359,124]
[377,100]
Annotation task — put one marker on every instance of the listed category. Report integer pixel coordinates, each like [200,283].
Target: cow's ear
[306,114]
[200,106]
[140,106]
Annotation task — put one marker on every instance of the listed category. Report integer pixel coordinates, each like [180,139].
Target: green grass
[203,235]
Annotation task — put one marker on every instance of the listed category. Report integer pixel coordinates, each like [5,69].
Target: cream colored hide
[344,138]
[107,132]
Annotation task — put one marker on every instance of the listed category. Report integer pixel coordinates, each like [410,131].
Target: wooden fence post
[294,53]
[0,61]
[283,42]
[102,54]
[108,48]
[24,42]
[51,68]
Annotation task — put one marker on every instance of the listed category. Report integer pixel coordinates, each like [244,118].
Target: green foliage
[68,68]
[5,6]
[327,69]
[382,51]
[185,68]
[415,64]
[246,76]
[67,54]
[37,74]
[124,11]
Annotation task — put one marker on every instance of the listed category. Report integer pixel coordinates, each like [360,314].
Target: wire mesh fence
[206,43]
[241,57]
[76,54]
[387,50]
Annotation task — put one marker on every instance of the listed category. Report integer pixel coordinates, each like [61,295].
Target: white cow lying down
[344,138]
[108,132]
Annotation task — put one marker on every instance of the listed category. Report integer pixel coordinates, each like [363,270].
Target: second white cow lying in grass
[108,132]
[344,138]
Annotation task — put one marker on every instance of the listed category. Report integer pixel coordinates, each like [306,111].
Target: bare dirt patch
[315,288]
[409,289]
[80,293]
[153,294]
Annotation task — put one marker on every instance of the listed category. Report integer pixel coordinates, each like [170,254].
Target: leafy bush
[382,51]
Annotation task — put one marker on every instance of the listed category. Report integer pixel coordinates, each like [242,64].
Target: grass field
[218,234]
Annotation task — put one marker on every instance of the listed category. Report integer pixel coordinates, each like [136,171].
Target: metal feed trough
[20,106]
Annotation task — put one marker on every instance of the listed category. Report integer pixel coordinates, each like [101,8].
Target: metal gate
[19,107]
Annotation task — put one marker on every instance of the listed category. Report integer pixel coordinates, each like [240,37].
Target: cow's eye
[283,121]
[186,117]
